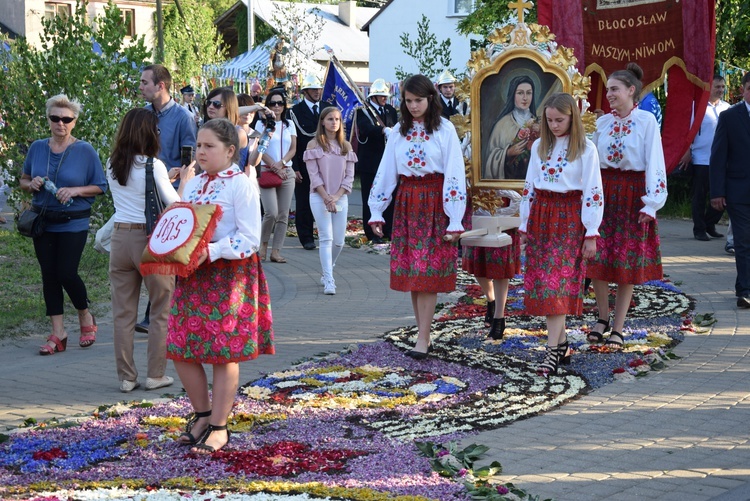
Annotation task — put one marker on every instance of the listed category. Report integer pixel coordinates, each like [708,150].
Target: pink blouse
[330,169]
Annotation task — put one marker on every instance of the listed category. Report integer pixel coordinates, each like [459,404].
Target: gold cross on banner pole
[519,5]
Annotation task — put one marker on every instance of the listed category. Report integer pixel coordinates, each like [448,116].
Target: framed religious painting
[507,83]
[506,97]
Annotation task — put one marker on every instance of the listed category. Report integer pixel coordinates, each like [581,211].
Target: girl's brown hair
[226,133]
[631,76]
[138,134]
[421,86]
[320,134]
[565,104]
[228,99]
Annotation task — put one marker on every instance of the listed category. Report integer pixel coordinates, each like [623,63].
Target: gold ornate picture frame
[526,58]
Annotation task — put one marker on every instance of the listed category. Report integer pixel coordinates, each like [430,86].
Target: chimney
[348,13]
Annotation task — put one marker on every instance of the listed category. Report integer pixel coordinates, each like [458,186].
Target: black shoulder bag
[154,205]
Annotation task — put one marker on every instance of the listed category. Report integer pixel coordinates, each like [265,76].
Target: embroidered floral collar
[617,115]
[230,172]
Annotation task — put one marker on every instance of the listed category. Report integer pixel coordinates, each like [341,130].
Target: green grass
[22,309]
[679,197]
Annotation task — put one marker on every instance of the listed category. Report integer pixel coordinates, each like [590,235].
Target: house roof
[349,43]
[366,26]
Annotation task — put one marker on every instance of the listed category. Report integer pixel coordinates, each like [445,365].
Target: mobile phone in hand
[186,155]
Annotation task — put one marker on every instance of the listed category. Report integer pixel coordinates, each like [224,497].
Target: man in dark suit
[370,139]
[729,172]
[305,115]
[446,85]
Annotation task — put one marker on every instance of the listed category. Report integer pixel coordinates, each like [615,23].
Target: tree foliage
[106,84]
[430,55]
[301,32]
[733,32]
[190,42]
[488,15]
[262,31]
[218,7]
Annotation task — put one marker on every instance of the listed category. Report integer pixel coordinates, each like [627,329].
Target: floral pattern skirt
[421,261]
[628,252]
[496,263]
[555,268]
[221,314]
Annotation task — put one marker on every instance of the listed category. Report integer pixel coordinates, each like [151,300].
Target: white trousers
[331,231]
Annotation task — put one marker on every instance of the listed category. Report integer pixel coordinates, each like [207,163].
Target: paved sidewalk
[679,434]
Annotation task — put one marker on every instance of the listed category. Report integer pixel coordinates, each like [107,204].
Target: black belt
[63,216]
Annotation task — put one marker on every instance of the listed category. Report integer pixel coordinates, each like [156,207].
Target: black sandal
[550,363]
[614,344]
[489,314]
[207,449]
[191,440]
[595,337]
[564,352]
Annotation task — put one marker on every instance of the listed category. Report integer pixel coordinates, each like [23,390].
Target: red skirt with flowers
[421,261]
[221,314]
[555,268]
[628,252]
[496,263]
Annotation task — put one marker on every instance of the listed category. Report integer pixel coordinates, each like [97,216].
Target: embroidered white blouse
[237,234]
[417,155]
[633,143]
[555,173]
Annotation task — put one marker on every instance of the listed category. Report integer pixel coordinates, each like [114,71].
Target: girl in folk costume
[221,314]
[635,187]
[561,209]
[423,157]
[330,163]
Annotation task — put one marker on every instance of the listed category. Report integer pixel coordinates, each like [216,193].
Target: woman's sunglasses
[275,103]
[215,104]
[65,120]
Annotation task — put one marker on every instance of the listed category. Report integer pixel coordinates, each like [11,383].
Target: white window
[460,7]
[128,19]
[52,10]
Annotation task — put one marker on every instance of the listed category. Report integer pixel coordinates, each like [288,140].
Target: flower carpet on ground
[366,423]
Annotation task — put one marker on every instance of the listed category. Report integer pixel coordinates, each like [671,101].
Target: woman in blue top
[75,169]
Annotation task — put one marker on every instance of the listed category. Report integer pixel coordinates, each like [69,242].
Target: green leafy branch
[430,55]
[449,461]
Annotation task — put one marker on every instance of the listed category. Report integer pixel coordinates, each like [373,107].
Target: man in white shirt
[705,217]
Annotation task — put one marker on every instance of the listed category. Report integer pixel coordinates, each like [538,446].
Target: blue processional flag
[338,92]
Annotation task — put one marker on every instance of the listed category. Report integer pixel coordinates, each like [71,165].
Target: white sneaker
[329,287]
[154,383]
[128,386]
[322,280]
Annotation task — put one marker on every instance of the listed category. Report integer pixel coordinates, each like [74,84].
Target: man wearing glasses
[176,129]
[305,115]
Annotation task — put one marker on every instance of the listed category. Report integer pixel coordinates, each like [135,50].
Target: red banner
[673,37]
